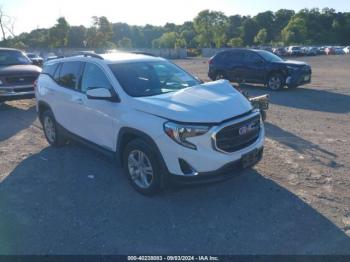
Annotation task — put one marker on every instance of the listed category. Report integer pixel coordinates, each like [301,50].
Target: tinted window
[252,58]
[69,74]
[13,57]
[50,69]
[227,57]
[151,78]
[93,77]
[269,56]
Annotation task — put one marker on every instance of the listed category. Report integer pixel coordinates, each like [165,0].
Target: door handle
[78,101]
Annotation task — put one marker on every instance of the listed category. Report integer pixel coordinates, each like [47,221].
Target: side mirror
[101,94]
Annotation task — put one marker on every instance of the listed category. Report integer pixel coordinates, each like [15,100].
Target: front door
[254,68]
[96,117]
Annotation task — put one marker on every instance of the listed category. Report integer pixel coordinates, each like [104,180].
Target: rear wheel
[275,82]
[140,163]
[52,131]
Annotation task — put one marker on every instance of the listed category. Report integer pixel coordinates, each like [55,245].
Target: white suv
[161,122]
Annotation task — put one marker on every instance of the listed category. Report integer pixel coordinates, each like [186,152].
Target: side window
[56,76]
[94,77]
[50,69]
[252,58]
[70,74]
[231,57]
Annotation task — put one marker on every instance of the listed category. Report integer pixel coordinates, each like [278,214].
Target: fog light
[186,168]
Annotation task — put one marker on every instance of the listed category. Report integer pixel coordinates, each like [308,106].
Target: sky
[32,14]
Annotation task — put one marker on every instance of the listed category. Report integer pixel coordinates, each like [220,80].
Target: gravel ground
[295,201]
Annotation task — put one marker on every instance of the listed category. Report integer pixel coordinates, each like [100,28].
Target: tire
[275,82]
[139,156]
[53,134]
[263,115]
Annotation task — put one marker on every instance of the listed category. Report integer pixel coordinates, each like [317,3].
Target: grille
[26,89]
[239,135]
[306,69]
[20,80]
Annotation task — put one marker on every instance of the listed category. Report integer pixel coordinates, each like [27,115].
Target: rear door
[254,68]
[233,64]
[66,97]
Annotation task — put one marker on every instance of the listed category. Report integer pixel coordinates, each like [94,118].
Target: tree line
[208,29]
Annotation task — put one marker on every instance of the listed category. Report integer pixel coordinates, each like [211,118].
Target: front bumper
[227,171]
[298,78]
[16,92]
[206,159]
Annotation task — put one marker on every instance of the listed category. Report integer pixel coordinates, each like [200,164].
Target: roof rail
[143,53]
[86,54]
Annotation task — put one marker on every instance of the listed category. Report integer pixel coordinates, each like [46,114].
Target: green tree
[167,40]
[77,36]
[211,28]
[261,37]
[235,42]
[249,30]
[100,35]
[125,42]
[58,35]
[295,31]
[265,21]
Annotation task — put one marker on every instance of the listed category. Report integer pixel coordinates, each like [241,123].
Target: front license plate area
[250,158]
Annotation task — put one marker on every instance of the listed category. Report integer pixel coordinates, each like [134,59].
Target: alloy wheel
[140,169]
[49,127]
[274,82]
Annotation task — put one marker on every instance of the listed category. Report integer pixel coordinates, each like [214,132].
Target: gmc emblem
[247,128]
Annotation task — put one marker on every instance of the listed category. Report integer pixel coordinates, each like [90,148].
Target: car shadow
[302,146]
[76,201]
[304,98]
[16,119]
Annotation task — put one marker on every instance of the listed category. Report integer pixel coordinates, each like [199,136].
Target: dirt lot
[296,201]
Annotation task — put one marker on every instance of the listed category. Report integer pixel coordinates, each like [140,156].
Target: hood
[212,102]
[19,70]
[291,63]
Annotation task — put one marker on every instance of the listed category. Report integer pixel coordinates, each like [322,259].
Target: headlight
[292,68]
[1,83]
[179,133]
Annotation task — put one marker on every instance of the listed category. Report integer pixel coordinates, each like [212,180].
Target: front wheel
[140,163]
[275,82]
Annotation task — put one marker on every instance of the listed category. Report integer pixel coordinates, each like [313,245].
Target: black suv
[259,67]
[17,75]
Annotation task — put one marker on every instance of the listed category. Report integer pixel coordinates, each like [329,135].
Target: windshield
[151,78]
[268,56]
[10,57]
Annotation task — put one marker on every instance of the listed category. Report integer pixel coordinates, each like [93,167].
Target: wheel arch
[127,134]
[275,71]
[42,107]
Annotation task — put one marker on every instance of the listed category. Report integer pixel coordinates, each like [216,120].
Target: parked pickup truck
[17,75]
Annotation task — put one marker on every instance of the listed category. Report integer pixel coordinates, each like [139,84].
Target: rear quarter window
[50,69]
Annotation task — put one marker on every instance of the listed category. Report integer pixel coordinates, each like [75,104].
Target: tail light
[35,84]
[210,61]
